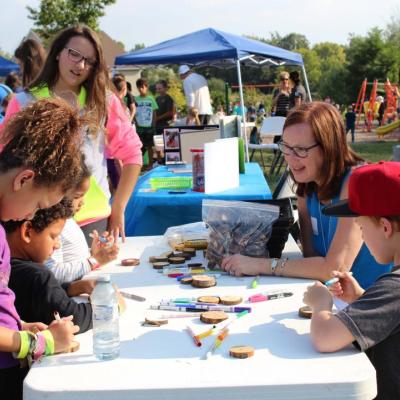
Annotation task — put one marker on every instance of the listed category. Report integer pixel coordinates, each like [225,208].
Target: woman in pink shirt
[76,70]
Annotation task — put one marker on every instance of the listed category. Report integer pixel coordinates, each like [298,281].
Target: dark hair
[6,100]
[97,82]
[32,56]
[119,81]
[46,138]
[327,126]
[44,217]
[141,82]
[129,86]
[295,77]
[163,82]
[12,81]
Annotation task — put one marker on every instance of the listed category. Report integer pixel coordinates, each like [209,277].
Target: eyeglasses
[76,57]
[284,79]
[298,151]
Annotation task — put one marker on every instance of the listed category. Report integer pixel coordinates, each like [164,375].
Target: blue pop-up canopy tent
[7,66]
[213,47]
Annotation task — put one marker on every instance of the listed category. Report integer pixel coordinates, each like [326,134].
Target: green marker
[254,283]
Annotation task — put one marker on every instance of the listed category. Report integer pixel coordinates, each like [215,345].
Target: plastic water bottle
[105,319]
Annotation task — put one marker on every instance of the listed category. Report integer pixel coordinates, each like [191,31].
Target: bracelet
[40,347]
[274,264]
[283,263]
[49,342]
[25,339]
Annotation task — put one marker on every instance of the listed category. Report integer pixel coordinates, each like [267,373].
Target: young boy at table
[72,259]
[372,319]
[38,293]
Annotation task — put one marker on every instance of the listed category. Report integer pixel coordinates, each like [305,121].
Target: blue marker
[332,281]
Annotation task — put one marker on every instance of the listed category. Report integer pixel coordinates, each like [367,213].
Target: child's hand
[104,252]
[63,333]
[33,326]
[347,289]
[83,286]
[318,297]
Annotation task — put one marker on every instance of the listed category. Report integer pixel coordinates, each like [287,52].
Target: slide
[385,129]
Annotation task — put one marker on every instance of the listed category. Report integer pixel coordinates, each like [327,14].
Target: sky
[153,21]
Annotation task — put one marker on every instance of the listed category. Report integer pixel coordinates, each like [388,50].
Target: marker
[254,283]
[241,314]
[198,307]
[186,315]
[195,338]
[102,239]
[332,281]
[132,296]
[218,341]
[205,334]
[268,296]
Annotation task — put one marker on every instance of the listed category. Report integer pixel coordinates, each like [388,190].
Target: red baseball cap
[374,190]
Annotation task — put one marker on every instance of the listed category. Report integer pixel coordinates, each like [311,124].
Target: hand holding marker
[332,281]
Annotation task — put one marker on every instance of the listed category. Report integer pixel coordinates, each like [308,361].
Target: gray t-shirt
[298,92]
[374,321]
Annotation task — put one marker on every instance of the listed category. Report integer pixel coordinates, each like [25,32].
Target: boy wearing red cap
[372,319]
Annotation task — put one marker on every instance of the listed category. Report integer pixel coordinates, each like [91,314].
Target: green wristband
[25,338]
[49,342]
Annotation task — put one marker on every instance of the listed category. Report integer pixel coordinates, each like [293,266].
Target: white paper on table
[221,165]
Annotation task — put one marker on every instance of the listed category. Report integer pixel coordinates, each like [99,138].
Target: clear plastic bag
[237,227]
[176,235]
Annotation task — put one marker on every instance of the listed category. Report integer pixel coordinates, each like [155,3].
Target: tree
[54,15]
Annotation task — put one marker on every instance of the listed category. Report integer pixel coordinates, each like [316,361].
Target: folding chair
[270,128]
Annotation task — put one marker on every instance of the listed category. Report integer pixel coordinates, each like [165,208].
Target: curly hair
[44,217]
[46,138]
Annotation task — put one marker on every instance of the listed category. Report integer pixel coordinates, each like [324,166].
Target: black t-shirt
[38,295]
[298,92]
[282,103]
[165,104]
[374,321]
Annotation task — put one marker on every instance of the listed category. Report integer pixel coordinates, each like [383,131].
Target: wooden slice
[187,280]
[177,260]
[198,244]
[190,250]
[231,300]
[179,246]
[155,322]
[208,299]
[241,351]
[152,259]
[213,317]
[203,281]
[195,265]
[167,254]
[160,265]
[187,256]
[161,259]
[130,262]
[305,312]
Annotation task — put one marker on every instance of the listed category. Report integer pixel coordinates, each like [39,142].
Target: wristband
[49,342]
[274,264]
[25,339]
[40,347]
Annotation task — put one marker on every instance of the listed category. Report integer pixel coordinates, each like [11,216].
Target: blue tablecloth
[151,213]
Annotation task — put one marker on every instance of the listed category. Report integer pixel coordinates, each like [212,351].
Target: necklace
[322,227]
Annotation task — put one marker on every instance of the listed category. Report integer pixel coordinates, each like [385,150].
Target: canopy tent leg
[243,132]
[306,82]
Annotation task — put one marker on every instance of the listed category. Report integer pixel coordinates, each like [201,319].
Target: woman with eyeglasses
[75,69]
[320,162]
[280,100]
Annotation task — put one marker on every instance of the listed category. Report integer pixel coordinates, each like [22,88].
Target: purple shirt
[9,317]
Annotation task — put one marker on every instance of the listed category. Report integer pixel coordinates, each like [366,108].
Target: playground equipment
[390,111]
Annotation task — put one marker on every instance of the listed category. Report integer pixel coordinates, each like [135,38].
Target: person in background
[320,162]
[5,97]
[280,97]
[166,107]
[33,176]
[251,115]
[76,70]
[31,56]
[372,319]
[298,93]
[350,117]
[130,100]
[13,82]
[193,117]
[196,92]
[145,116]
